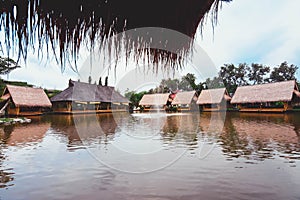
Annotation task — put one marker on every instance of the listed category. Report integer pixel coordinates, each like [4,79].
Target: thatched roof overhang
[27,96]
[270,92]
[213,96]
[184,97]
[67,25]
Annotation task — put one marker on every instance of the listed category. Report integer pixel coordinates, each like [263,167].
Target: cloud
[255,31]
[42,74]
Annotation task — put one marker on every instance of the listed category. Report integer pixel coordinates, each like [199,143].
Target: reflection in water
[257,137]
[20,136]
[58,152]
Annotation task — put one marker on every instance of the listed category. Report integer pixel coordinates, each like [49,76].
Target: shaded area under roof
[270,92]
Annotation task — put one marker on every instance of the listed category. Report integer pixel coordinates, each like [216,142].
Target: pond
[152,156]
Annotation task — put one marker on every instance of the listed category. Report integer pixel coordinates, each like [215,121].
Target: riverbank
[9,121]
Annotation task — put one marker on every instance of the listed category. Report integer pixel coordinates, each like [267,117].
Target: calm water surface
[152,156]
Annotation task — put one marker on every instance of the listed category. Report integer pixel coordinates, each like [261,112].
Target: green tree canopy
[134,97]
[7,65]
[283,72]
[257,73]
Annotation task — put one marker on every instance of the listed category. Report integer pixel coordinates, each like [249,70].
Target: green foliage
[216,82]
[134,97]
[186,83]
[257,73]
[7,65]
[51,93]
[283,72]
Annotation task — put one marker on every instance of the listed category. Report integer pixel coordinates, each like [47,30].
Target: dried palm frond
[64,26]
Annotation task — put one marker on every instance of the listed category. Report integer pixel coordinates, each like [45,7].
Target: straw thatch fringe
[62,27]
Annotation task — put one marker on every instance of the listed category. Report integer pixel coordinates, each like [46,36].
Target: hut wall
[120,107]
[265,107]
[215,107]
[30,111]
[13,110]
[62,106]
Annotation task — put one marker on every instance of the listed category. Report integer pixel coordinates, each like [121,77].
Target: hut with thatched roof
[214,99]
[270,97]
[17,100]
[154,101]
[88,98]
[66,26]
[184,101]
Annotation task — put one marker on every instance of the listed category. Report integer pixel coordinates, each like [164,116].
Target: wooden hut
[88,98]
[271,97]
[214,99]
[154,101]
[17,100]
[185,100]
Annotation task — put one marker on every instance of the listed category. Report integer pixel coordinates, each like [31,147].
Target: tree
[214,83]
[187,82]
[167,85]
[257,73]
[7,65]
[228,76]
[283,72]
[241,74]
[90,80]
[134,97]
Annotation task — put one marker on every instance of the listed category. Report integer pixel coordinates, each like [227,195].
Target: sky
[251,31]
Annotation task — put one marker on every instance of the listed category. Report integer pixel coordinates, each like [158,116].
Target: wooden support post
[17,110]
[69,106]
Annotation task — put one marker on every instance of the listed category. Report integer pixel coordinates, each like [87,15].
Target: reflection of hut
[83,98]
[214,99]
[154,101]
[26,134]
[212,122]
[261,132]
[185,100]
[24,100]
[271,97]
[88,128]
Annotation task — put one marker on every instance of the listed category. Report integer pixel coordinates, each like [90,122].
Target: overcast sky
[259,31]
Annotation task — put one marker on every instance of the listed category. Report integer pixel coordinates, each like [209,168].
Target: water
[152,156]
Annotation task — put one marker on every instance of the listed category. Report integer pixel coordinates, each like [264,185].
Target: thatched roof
[154,99]
[184,97]
[213,96]
[271,92]
[85,92]
[27,96]
[67,25]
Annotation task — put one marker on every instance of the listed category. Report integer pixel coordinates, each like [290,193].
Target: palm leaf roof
[67,25]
